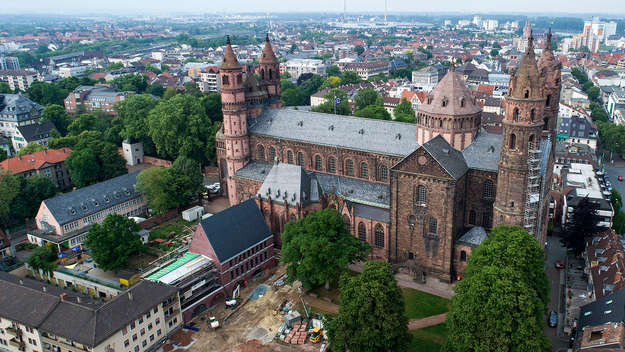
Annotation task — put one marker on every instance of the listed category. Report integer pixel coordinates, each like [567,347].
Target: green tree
[318,248]
[359,49]
[366,97]
[582,224]
[598,113]
[179,126]
[292,97]
[593,92]
[404,112]
[5,88]
[46,93]
[31,147]
[37,188]
[43,258]
[331,82]
[155,185]
[187,179]
[3,154]
[156,89]
[10,186]
[58,116]
[133,113]
[350,77]
[333,70]
[112,243]
[87,122]
[212,106]
[616,200]
[371,315]
[83,166]
[169,93]
[330,106]
[494,52]
[373,112]
[132,83]
[191,88]
[502,301]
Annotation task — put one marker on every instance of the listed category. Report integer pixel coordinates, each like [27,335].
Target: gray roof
[92,199]
[447,156]
[474,237]
[595,313]
[36,131]
[373,213]
[254,170]
[355,133]
[17,104]
[235,229]
[483,153]
[290,183]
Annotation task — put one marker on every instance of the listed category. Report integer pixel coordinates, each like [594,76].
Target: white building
[133,152]
[19,79]
[72,71]
[9,63]
[297,67]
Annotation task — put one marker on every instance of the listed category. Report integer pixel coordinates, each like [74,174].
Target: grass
[421,304]
[428,339]
[164,230]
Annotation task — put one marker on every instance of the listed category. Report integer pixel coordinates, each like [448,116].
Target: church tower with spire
[550,70]
[233,138]
[269,72]
[519,180]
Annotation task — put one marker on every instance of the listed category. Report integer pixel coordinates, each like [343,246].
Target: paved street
[555,251]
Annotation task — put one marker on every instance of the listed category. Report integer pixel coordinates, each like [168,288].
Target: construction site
[267,315]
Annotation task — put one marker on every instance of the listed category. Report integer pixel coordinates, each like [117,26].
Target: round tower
[269,72]
[550,70]
[451,111]
[518,180]
[235,118]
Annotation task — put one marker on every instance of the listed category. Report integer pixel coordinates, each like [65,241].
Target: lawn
[164,230]
[428,339]
[421,304]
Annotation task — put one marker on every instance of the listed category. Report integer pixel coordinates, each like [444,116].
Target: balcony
[13,331]
[18,343]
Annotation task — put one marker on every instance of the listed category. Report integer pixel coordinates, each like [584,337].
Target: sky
[612,7]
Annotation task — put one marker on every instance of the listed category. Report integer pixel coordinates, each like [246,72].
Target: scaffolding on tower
[532,193]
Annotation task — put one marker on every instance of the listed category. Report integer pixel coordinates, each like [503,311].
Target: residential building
[73,70]
[297,67]
[63,220]
[39,133]
[567,153]
[94,98]
[209,80]
[9,63]
[238,242]
[578,130]
[616,101]
[605,259]
[19,79]
[425,78]
[49,162]
[16,110]
[366,70]
[62,320]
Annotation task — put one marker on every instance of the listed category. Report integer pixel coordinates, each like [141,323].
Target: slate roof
[17,104]
[474,237]
[36,131]
[449,158]
[483,153]
[290,183]
[24,304]
[596,313]
[92,199]
[373,213]
[254,170]
[453,92]
[355,133]
[235,229]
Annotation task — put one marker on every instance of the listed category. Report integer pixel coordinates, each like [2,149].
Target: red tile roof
[36,160]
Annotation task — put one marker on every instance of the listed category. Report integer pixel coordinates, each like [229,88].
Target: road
[613,172]
[555,251]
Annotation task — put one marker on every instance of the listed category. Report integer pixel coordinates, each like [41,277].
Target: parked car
[620,178]
[559,264]
[553,319]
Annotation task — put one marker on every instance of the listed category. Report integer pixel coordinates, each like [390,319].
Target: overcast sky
[612,7]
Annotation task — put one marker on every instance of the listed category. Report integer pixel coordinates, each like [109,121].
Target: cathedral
[423,196]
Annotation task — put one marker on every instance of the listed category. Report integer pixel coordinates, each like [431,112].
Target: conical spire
[526,78]
[547,58]
[230,61]
[268,57]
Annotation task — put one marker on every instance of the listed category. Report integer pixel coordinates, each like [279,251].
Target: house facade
[49,162]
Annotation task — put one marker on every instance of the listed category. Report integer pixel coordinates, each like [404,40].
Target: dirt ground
[251,327]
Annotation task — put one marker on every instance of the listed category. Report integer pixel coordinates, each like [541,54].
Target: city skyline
[612,7]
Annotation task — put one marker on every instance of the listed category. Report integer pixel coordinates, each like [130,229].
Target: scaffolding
[532,194]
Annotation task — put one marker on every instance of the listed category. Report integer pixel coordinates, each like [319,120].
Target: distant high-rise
[9,63]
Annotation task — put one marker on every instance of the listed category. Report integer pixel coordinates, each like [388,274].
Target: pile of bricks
[297,336]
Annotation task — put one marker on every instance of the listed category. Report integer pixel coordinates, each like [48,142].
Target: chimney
[129,295]
[62,296]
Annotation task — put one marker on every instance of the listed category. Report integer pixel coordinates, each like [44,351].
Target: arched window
[512,141]
[225,80]
[422,194]
[318,163]
[289,157]
[472,217]
[364,170]
[488,192]
[532,115]
[261,152]
[272,154]
[527,93]
[349,167]
[383,173]
[462,103]
[548,101]
[463,256]
[515,114]
[347,223]
[433,225]
[332,164]
[362,232]
[379,236]
[262,74]
[300,159]
[440,123]
[270,74]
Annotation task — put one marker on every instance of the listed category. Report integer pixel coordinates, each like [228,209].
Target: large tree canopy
[404,112]
[21,197]
[58,116]
[318,248]
[113,242]
[371,315]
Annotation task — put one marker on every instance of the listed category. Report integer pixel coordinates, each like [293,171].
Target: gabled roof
[483,153]
[17,104]
[447,156]
[34,161]
[36,131]
[474,237]
[235,229]
[291,184]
